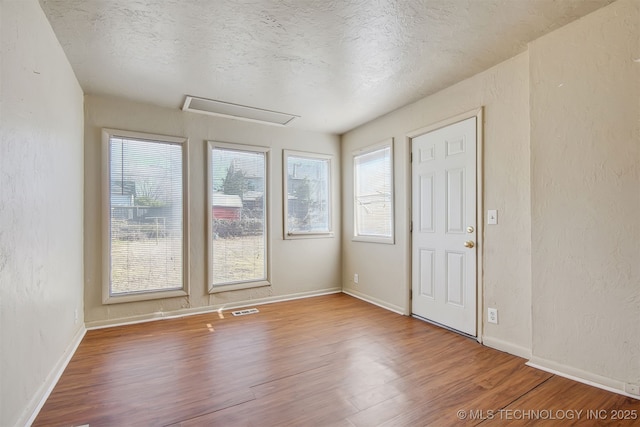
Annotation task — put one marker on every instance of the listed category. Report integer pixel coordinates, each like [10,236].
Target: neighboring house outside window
[237,238]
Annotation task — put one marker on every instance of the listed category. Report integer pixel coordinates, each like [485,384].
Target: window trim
[107,297]
[390,240]
[294,235]
[213,289]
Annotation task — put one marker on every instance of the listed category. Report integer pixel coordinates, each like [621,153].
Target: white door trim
[479,115]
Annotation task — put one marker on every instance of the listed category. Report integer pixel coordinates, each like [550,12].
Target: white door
[444,226]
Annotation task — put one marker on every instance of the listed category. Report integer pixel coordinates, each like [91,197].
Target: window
[307,187]
[146,205]
[237,210]
[373,193]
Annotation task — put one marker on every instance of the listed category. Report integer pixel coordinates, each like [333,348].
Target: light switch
[492,217]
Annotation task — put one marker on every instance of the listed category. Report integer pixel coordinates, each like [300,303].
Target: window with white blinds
[307,204]
[237,210]
[146,215]
[373,193]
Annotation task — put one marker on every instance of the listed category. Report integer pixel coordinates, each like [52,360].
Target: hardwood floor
[324,361]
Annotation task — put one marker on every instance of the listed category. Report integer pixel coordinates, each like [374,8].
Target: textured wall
[585,152]
[41,181]
[384,269]
[298,266]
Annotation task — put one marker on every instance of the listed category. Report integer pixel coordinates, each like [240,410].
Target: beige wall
[298,267]
[566,190]
[41,181]
[562,166]
[585,144]
[384,269]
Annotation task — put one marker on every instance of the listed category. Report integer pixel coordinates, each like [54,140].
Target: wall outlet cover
[492,315]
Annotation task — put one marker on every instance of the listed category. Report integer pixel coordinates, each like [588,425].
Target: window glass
[146,224]
[238,195]
[307,205]
[373,194]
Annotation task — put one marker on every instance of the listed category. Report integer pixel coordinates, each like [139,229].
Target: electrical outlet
[492,315]
[356,279]
[632,389]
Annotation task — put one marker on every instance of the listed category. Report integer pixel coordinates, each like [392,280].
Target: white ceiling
[335,63]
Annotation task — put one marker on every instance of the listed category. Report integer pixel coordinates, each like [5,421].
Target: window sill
[144,296]
[372,239]
[238,286]
[310,235]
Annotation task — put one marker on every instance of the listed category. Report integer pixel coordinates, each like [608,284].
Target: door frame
[478,113]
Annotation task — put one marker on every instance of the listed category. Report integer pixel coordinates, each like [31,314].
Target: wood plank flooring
[324,361]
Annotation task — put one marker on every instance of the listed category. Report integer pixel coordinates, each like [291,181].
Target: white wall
[585,145]
[299,267]
[41,192]
[384,269]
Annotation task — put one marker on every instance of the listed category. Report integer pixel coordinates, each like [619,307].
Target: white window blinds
[308,201]
[146,223]
[373,193]
[238,200]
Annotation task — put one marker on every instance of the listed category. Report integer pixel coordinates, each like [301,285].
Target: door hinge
[410,294]
[411,157]
[411,227]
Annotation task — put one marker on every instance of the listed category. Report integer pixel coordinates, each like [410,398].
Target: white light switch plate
[492,217]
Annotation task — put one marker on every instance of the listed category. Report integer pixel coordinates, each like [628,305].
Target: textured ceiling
[335,63]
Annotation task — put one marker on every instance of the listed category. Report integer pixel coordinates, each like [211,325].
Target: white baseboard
[43,393]
[151,317]
[507,347]
[579,375]
[374,301]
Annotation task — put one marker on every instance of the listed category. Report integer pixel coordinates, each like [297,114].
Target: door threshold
[449,328]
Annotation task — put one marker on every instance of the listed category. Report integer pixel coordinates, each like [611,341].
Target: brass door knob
[469,244]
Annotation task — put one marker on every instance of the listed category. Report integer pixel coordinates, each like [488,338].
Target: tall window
[237,210]
[146,206]
[373,193]
[307,205]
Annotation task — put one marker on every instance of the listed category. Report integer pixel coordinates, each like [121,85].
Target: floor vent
[245,312]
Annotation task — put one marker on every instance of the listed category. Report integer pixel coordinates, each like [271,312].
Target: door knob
[469,244]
